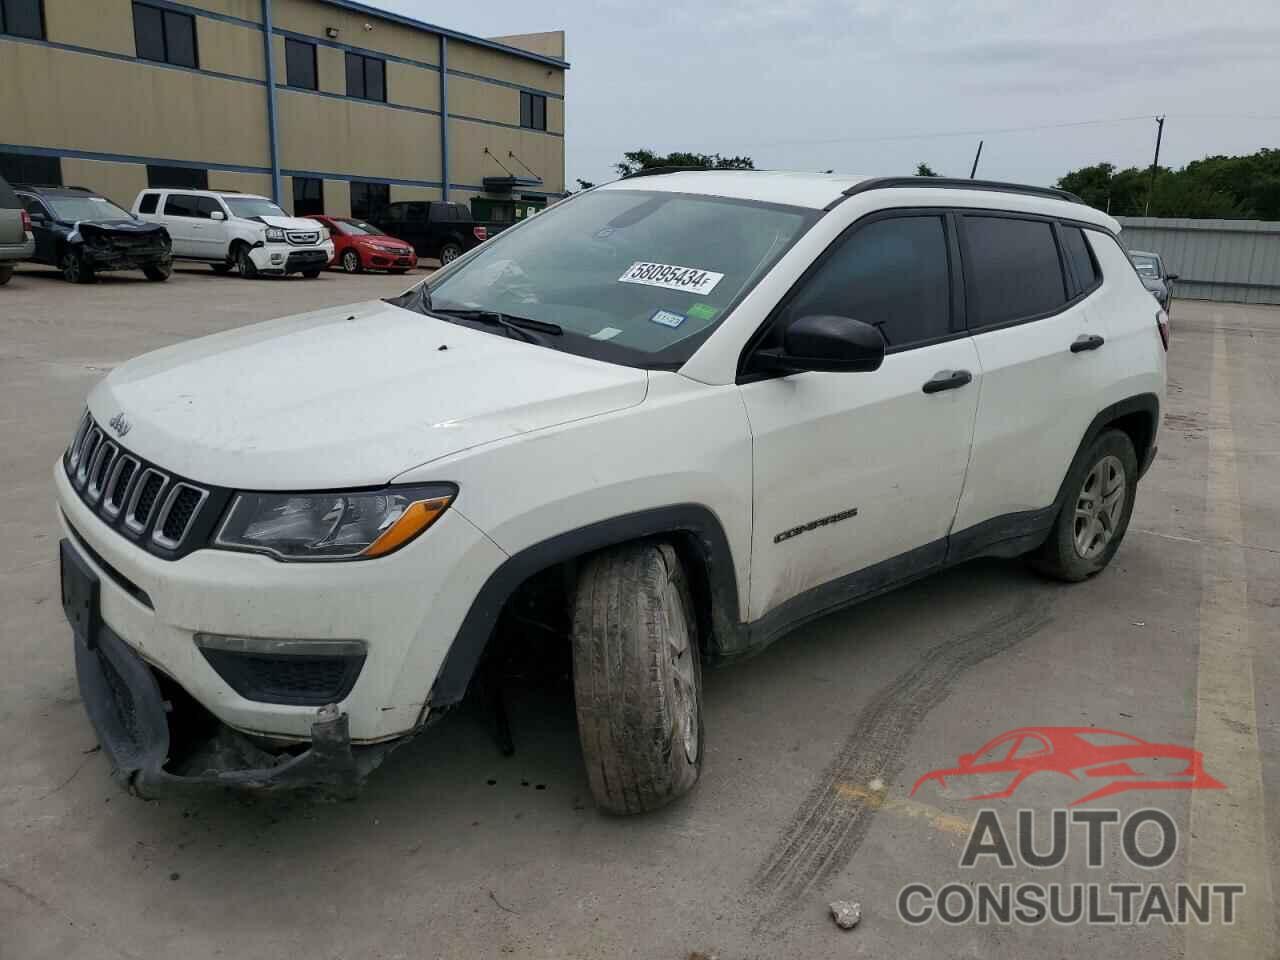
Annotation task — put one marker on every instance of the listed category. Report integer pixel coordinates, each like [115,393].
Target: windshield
[246,207]
[1146,266]
[638,276]
[72,209]
[357,228]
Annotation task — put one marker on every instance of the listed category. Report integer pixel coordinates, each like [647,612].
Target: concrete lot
[813,746]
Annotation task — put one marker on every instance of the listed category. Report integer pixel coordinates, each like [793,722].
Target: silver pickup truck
[16,241]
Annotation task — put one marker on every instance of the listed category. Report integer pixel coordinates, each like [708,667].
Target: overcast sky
[822,84]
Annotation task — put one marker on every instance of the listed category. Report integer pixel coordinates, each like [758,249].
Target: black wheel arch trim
[1143,403]
[694,523]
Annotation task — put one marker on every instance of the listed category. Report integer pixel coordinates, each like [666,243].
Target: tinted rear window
[8,199]
[1012,271]
[1079,256]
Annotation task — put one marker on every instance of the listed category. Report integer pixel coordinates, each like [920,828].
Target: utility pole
[974,172]
[1154,164]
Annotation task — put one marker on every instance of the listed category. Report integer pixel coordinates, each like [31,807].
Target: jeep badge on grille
[119,424]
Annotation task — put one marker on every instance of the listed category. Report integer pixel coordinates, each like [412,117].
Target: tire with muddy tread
[1095,512]
[637,677]
[74,269]
[221,269]
[157,272]
[244,263]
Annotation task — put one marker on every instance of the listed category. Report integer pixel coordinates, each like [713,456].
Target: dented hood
[345,397]
[291,223]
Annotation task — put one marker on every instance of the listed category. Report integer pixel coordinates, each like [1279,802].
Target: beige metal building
[353,108]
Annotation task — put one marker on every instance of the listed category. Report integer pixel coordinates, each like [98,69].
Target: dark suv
[434,228]
[83,233]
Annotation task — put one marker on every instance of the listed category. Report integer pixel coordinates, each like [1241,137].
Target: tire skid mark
[833,821]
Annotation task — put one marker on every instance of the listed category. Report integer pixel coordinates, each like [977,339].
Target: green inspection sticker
[701,311]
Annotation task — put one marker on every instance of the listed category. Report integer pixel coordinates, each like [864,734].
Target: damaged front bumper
[161,743]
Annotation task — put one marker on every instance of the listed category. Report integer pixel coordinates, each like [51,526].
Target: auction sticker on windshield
[671,277]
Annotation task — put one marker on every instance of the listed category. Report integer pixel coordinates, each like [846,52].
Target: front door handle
[1090,341]
[947,380]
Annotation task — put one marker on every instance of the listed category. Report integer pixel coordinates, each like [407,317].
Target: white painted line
[1228,841]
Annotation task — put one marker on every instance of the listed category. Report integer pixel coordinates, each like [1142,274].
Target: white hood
[293,223]
[345,397]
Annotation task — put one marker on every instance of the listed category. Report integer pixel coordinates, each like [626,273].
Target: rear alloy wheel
[74,269]
[158,272]
[244,265]
[637,677]
[351,262]
[1095,512]
[449,253]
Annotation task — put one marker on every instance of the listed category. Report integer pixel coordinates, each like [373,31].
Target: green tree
[646,159]
[924,170]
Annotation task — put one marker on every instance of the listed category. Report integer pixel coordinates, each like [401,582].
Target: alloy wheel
[1099,507]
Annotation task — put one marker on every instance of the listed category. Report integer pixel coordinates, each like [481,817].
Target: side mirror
[217,215]
[828,343]
[1171,277]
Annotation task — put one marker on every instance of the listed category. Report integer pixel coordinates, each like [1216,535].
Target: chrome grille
[137,498]
[303,238]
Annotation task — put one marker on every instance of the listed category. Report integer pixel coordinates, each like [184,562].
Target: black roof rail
[48,186]
[956,183]
[658,171]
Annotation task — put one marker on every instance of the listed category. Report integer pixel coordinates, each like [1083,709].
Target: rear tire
[74,269]
[449,253]
[1095,513]
[6,274]
[158,272]
[637,677]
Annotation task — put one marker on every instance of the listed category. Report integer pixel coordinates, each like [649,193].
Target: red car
[358,246]
[1081,753]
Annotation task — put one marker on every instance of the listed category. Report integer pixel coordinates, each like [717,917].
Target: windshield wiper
[520,326]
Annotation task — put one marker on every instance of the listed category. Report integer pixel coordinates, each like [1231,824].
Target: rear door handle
[1085,342]
[947,380]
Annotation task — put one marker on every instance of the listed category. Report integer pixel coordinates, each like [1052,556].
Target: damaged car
[83,234]
[682,413]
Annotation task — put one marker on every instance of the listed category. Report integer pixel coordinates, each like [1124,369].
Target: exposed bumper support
[133,721]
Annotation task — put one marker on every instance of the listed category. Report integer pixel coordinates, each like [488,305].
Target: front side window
[533,110]
[1012,270]
[308,196]
[22,18]
[181,205]
[300,64]
[164,36]
[72,209]
[635,276]
[207,207]
[366,77]
[892,274]
[248,207]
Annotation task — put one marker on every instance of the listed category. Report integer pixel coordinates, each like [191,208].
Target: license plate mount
[80,594]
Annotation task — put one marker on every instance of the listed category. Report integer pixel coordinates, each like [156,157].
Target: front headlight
[275,235]
[332,526]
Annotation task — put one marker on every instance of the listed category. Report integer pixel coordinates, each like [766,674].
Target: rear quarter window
[1083,267]
[1012,270]
[148,203]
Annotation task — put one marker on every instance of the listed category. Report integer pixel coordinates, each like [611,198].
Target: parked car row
[83,233]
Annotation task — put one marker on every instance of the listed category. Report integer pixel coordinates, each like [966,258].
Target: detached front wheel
[637,677]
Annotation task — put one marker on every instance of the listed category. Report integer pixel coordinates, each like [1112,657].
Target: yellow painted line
[880,800]
[1228,841]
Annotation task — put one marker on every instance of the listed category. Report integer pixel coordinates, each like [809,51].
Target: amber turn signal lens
[417,517]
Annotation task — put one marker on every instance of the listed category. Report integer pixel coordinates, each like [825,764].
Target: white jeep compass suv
[237,231]
[709,405]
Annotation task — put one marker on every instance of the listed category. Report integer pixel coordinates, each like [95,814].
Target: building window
[366,77]
[20,168]
[300,64]
[308,196]
[22,18]
[188,178]
[533,110]
[164,36]
[369,201]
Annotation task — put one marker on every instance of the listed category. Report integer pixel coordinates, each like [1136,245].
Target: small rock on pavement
[846,913]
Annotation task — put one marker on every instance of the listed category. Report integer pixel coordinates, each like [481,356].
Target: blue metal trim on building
[373,103]
[199,12]
[273,134]
[452,34]
[444,117]
[507,83]
[358,178]
[126,58]
[351,48]
[499,123]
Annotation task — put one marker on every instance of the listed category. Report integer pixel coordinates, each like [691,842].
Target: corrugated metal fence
[1233,260]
